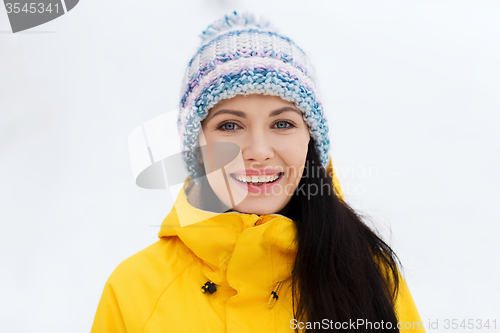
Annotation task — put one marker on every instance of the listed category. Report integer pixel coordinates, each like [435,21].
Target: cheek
[294,153]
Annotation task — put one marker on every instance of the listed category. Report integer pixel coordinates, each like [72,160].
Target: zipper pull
[259,221]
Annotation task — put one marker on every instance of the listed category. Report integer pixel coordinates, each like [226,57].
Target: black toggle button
[209,286]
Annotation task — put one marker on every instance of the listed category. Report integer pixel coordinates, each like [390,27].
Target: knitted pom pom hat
[240,55]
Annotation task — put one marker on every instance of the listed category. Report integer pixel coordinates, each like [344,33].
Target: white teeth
[257,179]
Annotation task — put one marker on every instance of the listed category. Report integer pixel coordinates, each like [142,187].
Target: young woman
[261,240]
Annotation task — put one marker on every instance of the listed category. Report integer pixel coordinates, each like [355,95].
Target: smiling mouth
[258,180]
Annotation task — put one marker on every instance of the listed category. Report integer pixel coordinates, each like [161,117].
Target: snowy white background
[410,88]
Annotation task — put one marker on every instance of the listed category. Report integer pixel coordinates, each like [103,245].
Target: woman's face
[273,139]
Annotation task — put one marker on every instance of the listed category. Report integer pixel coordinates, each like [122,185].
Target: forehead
[252,102]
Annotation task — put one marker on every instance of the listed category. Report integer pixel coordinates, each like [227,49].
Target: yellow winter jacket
[246,256]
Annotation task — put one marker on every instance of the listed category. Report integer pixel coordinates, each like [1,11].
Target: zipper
[259,221]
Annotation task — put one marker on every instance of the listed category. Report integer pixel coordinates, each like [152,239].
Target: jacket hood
[234,249]
[218,236]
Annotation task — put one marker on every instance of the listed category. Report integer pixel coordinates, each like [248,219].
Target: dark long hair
[343,270]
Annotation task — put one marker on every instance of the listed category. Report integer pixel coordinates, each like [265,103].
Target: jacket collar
[266,240]
[214,237]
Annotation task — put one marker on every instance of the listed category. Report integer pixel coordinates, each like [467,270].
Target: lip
[251,172]
[258,189]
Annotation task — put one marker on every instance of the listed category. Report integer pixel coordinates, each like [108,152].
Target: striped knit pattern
[240,56]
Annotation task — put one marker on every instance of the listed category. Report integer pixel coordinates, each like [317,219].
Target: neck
[285,209]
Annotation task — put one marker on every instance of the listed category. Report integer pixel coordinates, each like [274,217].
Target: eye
[282,124]
[227,126]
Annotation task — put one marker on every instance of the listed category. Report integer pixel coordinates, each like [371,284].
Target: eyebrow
[243,115]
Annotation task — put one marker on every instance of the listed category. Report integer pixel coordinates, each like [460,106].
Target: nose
[257,147]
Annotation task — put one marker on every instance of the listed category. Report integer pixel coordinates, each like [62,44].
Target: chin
[257,209]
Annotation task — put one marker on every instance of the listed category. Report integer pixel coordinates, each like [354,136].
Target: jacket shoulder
[159,261]
[406,309]
[136,284]
[404,305]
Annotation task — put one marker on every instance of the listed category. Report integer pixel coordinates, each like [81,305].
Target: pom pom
[234,21]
